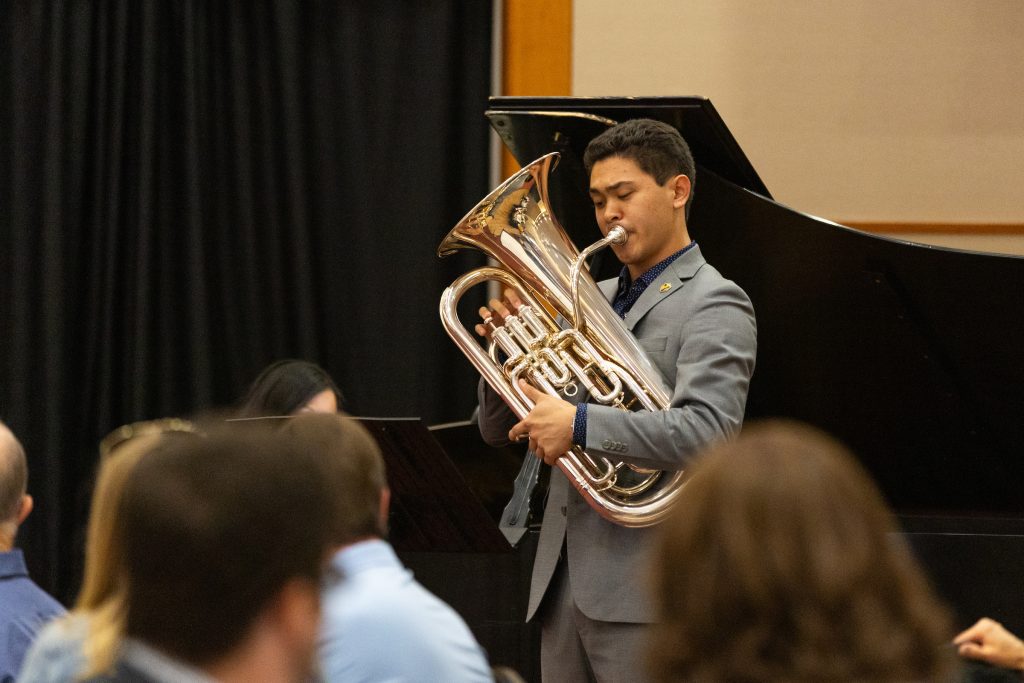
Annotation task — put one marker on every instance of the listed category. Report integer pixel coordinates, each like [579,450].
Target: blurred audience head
[289,387]
[101,597]
[355,470]
[119,452]
[225,538]
[780,563]
[15,503]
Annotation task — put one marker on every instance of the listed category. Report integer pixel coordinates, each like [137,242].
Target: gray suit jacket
[701,335]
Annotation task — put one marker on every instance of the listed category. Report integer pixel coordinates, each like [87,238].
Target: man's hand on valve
[548,425]
[496,311]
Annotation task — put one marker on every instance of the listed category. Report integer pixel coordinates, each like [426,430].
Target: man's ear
[25,509]
[385,508]
[680,191]
[296,610]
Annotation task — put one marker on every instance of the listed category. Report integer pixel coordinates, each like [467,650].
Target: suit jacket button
[606,444]
[563,511]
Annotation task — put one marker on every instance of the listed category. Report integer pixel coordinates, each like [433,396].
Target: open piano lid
[910,354]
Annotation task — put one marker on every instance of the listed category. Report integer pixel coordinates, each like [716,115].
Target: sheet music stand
[432,507]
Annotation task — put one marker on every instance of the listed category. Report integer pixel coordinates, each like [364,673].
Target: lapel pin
[665,287]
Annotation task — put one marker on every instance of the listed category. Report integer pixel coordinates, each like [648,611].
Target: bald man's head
[13,476]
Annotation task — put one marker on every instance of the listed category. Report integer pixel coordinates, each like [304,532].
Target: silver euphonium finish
[592,352]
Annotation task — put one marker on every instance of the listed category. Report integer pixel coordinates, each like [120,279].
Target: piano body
[910,354]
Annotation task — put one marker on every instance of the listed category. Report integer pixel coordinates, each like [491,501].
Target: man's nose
[612,213]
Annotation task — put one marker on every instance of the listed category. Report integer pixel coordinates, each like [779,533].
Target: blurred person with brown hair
[781,563]
[379,622]
[224,542]
[85,643]
[24,606]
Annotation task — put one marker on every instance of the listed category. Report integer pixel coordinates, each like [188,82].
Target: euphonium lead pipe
[617,235]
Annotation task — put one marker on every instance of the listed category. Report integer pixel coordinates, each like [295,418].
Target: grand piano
[910,354]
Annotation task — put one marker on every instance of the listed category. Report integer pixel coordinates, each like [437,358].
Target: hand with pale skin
[497,312]
[988,641]
[548,425]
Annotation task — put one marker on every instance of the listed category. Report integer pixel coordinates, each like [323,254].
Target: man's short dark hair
[13,474]
[657,148]
[355,469]
[213,528]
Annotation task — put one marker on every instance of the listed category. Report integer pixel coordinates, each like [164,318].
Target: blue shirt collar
[629,291]
[649,275]
[12,563]
[371,554]
[157,667]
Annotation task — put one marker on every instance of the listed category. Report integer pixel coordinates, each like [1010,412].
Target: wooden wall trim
[536,55]
[939,228]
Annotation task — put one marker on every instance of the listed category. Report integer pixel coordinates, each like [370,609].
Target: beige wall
[855,110]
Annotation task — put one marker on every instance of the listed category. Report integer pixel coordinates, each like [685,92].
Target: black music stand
[432,507]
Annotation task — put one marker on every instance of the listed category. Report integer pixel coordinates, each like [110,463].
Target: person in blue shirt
[24,606]
[378,622]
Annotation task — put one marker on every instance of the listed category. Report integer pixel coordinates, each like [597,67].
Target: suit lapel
[671,280]
[609,288]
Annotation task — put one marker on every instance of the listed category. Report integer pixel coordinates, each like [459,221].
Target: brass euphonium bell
[591,351]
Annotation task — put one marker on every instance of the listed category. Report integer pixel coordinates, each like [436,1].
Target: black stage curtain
[190,190]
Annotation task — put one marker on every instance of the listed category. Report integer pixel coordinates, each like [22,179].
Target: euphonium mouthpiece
[617,235]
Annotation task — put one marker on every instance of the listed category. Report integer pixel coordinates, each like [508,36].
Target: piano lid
[911,354]
[574,121]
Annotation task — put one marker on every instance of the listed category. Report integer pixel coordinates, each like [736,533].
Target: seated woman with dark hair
[779,563]
[287,387]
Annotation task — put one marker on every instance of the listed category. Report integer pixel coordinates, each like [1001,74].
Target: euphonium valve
[564,337]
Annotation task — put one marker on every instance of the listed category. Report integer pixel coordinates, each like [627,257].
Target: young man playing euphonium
[698,329]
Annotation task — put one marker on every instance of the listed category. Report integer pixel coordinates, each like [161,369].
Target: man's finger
[519,431]
[513,299]
[969,650]
[531,392]
[499,308]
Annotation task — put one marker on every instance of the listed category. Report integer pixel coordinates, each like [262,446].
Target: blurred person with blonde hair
[85,643]
[781,563]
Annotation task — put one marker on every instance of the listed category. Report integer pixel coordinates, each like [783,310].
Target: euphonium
[593,350]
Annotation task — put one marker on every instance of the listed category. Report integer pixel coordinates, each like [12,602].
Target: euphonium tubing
[514,226]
